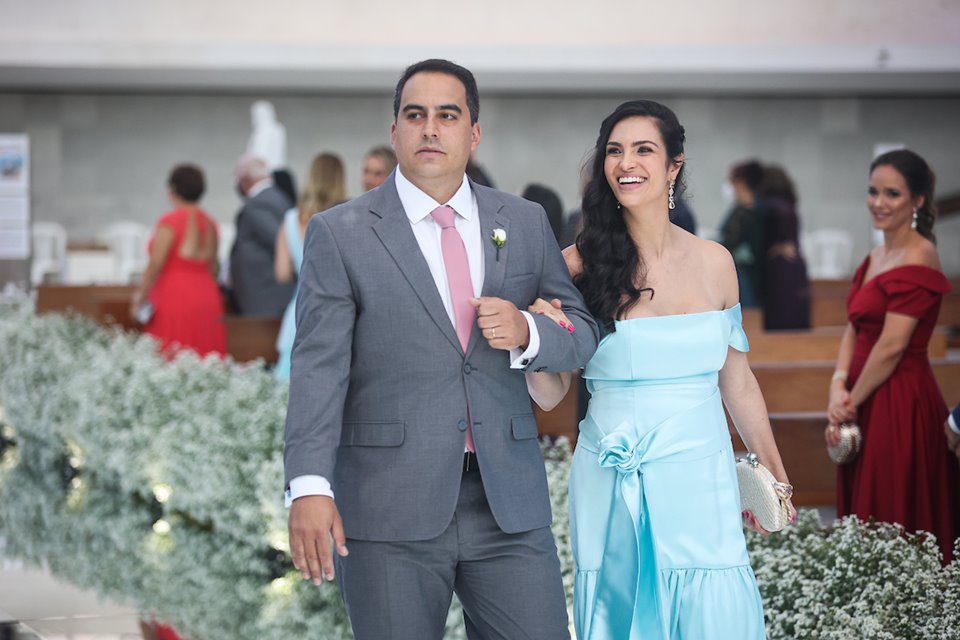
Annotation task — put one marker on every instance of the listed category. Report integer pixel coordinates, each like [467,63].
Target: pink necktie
[458,280]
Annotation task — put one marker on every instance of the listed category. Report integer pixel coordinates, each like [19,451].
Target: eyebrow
[638,143]
[442,107]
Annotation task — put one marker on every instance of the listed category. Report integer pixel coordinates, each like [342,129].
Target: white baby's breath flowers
[181,515]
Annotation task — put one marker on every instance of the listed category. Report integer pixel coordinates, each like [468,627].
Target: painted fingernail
[570,328]
[563,324]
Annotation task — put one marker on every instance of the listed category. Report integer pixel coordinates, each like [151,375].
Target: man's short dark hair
[186,180]
[436,65]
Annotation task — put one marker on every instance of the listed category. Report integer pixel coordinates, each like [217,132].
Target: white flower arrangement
[158,484]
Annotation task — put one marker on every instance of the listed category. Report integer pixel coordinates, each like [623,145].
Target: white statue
[269,137]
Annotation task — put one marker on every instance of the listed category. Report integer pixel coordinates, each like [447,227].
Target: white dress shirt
[418,206]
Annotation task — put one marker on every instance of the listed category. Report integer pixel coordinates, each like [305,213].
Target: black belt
[470,463]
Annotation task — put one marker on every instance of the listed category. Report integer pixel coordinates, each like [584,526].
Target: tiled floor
[49,609]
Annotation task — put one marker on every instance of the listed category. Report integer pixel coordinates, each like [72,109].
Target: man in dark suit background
[410,438]
[256,291]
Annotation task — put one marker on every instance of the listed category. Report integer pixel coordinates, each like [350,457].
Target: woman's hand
[839,409]
[551,310]
[751,522]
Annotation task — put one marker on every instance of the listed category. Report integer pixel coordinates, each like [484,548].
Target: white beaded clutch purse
[849,446]
[761,494]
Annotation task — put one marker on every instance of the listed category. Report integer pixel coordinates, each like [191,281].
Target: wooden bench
[803,387]
[247,338]
[820,344]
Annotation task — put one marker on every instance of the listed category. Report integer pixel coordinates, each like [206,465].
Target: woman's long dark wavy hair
[920,181]
[614,274]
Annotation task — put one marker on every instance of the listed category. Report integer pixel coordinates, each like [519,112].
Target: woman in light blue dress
[325,188]
[655,517]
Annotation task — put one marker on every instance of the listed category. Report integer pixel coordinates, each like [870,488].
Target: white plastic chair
[829,253]
[128,246]
[49,259]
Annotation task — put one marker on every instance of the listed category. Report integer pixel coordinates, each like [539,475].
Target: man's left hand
[501,323]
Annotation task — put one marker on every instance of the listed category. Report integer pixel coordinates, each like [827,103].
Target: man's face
[374,172]
[433,137]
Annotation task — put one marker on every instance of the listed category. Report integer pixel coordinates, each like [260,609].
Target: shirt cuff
[306,486]
[953,424]
[520,359]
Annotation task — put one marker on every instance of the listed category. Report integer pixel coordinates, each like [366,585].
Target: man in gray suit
[256,291]
[408,398]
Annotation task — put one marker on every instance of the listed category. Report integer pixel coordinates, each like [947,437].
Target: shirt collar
[259,187]
[418,205]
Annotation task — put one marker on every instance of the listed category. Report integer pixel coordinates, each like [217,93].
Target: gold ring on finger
[493,332]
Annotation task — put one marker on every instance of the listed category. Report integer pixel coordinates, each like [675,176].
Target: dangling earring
[913,225]
[619,206]
[670,202]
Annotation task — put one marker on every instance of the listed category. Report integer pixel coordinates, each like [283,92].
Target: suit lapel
[397,237]
[492,217]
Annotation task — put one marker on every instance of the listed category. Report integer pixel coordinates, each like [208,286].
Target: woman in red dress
[179,281]
[883,381]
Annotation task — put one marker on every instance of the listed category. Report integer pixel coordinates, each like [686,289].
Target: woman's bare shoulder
[574,262]
[923,253]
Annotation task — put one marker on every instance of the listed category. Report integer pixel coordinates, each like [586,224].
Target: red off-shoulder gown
[904,473]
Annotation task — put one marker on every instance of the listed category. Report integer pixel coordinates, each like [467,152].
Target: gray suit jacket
[255,287]
[381,390]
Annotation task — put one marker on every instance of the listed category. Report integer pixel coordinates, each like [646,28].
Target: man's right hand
[313,521]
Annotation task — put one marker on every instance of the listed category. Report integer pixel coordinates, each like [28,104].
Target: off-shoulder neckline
[680,315]
[866,265]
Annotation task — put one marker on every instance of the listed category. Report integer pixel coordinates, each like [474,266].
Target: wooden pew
[815,345]
[106,304]
[803,387]
[247,338]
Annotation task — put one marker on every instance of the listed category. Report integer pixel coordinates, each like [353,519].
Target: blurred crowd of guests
[762,232]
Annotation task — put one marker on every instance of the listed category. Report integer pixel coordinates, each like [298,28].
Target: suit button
[467,368]
[462,425]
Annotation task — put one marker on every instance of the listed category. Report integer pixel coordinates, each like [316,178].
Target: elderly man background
[255,290]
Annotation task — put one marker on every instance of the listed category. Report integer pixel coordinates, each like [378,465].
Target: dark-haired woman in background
[742,230]
[654,505]
[784,285]
[179,281]
[883,380]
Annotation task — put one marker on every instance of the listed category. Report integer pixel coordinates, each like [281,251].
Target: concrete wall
[101,158]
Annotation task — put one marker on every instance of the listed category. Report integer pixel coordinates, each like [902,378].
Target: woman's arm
[839,396]
[159,251]
[883,359]
[282,266]
[548,389]
[741,394]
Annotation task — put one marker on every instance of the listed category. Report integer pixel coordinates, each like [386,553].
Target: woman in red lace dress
[179,281]
[904,472]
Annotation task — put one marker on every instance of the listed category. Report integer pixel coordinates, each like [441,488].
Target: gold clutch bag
[761,494]
[849,446]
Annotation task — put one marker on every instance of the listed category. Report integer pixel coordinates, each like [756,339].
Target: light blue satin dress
[288,327]
[654,505]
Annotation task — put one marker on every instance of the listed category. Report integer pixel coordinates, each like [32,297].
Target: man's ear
[475,136]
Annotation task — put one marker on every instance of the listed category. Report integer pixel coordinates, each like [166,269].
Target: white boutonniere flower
[499,239]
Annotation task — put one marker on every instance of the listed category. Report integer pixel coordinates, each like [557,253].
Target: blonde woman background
[325,187]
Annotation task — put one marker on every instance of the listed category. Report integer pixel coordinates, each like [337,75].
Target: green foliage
[100,438]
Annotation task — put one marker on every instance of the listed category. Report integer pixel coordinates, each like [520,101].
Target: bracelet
[838,375]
